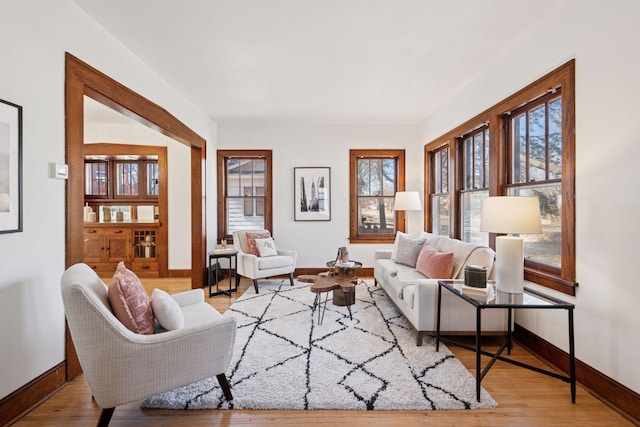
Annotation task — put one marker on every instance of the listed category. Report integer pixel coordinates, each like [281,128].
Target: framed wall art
[312,190]
[10,167]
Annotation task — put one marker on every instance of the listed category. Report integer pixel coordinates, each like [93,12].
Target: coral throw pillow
[434,264]
[251,241]
[130,302]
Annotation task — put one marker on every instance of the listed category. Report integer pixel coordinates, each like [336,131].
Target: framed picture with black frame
[312,193]
[10,167]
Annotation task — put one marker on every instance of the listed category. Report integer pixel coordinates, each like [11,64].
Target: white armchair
[121,366]
[255,267]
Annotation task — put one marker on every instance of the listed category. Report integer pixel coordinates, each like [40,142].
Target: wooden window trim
[222,156]
[563,279]
[354,155]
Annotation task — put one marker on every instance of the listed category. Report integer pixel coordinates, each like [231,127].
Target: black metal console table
[530,299]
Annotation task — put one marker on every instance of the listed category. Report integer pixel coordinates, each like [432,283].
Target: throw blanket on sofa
[461,252]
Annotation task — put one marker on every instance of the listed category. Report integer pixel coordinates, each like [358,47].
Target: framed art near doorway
[312,193]
[10,167]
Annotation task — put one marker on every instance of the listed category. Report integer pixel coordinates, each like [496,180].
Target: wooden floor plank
[525,398]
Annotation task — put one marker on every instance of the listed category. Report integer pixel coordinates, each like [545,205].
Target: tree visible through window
[531,153]
[536,170]
[376,176]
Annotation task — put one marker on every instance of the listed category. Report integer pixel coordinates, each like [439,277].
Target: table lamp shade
[407,201]
[510,215]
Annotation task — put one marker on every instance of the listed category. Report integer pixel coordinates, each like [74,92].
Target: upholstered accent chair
[122,366]
[254,266]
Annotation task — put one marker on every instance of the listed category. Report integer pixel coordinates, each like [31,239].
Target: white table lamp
[510,215]
[407,201]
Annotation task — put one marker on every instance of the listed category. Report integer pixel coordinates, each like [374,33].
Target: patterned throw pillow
[408,251]
[266,247]
[251,241]
[130,302]
[434,264]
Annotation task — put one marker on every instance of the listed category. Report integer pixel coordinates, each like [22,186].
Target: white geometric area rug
[284,359]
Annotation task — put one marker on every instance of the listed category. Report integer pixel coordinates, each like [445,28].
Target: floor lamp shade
[510,215]
[407,201]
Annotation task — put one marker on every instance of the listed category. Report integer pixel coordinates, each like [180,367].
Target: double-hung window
[244,191]
[475,184]
[535,169]
[440,204]
[531,152]
[376,176]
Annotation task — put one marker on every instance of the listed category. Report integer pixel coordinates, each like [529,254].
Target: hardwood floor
[525,398]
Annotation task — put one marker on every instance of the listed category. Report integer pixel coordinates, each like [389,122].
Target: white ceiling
[349,61]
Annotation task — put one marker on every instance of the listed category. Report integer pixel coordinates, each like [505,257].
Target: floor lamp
[407,201]
[510,215]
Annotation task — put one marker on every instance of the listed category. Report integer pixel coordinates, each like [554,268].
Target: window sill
[551,281]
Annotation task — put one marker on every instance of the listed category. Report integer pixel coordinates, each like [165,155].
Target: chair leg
[418,338]
[105,417]
[255,285]
[291,278]
[226,389]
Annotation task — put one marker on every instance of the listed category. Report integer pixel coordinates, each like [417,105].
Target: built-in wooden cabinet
[126,187]
[106,244]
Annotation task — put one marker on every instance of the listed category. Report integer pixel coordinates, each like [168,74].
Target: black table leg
[572,358]
[509,332]
[478,352]
[438,318]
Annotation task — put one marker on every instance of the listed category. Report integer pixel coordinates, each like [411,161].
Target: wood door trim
[81,79]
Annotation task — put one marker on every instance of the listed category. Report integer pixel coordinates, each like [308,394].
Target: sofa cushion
[408,251]
[274,262]
[401,279]
[130,302]
[434,264]
[166,310]
[409,295]
[252,247]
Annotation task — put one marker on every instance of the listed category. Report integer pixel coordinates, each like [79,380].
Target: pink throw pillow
[251,241]
[434,264]
[130,302]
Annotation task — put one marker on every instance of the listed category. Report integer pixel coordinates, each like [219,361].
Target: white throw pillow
[166,310]
[266,247]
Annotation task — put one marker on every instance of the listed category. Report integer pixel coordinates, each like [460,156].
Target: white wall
[178,171]
[317,145]
[38,32]
[602,37]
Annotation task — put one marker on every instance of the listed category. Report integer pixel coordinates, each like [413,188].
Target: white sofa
[416,296]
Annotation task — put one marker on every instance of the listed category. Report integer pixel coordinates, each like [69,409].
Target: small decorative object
[223,244]
[87,209]
[342,256]
[312,194]
[91,217]
[120,216]
[106,214]
[10,167]
[475,276]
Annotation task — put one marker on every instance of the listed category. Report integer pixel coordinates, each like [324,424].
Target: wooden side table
[324,283]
